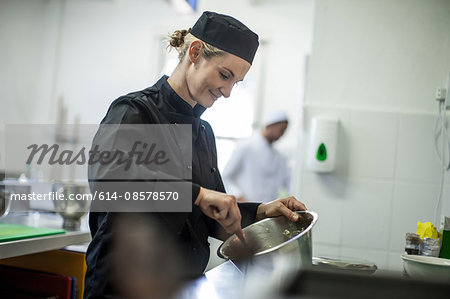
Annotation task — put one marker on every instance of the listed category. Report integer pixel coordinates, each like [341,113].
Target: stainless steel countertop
[223,281]
[228,281]
[45,243]
[261,282]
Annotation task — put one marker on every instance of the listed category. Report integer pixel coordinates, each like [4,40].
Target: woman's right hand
[221,207]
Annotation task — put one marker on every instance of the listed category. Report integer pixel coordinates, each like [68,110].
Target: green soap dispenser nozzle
[322,152]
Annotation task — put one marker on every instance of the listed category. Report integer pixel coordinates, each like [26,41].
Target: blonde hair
[182,39]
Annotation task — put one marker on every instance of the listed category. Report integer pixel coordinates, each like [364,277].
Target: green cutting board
[11,232]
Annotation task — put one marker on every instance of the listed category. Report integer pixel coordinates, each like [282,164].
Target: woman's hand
[283,206]
[221,207]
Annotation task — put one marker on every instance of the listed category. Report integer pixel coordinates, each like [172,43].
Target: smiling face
[208,79]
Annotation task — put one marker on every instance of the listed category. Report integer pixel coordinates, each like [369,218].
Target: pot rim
[313,214]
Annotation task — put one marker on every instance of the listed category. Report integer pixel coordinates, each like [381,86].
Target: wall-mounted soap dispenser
[322,144]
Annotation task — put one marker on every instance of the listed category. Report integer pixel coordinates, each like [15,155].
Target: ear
[195,51]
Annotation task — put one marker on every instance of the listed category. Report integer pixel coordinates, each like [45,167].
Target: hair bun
[177,38]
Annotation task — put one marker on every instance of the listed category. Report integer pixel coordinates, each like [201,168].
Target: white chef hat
[274,117]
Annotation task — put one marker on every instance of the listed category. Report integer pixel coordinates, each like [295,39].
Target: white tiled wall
[379,257]
[412,202]
[325,250]
[366,216]
[415,155]
[381,87]
[330,208]
[373,134]
[386,179]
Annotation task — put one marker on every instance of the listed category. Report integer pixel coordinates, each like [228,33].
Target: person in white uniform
[256,171]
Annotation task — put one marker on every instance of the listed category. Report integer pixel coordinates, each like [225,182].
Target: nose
[226,90]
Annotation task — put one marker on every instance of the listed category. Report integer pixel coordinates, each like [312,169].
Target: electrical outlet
[440,94]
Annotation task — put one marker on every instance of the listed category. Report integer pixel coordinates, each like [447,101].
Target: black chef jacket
[160,104]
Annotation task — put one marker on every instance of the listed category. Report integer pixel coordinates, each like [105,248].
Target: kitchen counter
[227,281]
[230,280]
[223,281]
[44,243]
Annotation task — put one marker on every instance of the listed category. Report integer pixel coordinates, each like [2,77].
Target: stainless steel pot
[73,205]
[271,238]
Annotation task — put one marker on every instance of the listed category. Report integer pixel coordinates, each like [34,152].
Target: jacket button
[203,126]
[189,167]
[213,169]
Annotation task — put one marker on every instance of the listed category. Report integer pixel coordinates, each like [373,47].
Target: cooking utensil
[70,208]
[344,265]
[270,237]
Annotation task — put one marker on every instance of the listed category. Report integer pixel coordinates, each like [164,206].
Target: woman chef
[215,54]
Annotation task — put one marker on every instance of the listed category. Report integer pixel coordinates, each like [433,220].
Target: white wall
[21,31]
[21,34]
[375,65]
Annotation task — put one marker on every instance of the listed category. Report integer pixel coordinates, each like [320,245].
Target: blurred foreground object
[146,261]
[315,284]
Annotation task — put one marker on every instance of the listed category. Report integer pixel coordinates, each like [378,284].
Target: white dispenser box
[322,144]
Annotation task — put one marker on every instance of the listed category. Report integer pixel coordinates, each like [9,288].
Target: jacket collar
[177,102]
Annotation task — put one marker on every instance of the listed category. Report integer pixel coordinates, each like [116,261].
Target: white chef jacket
[256,171]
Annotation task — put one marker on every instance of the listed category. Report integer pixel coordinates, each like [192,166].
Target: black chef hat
[226,33]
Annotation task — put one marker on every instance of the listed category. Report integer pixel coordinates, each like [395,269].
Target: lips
[215,97]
